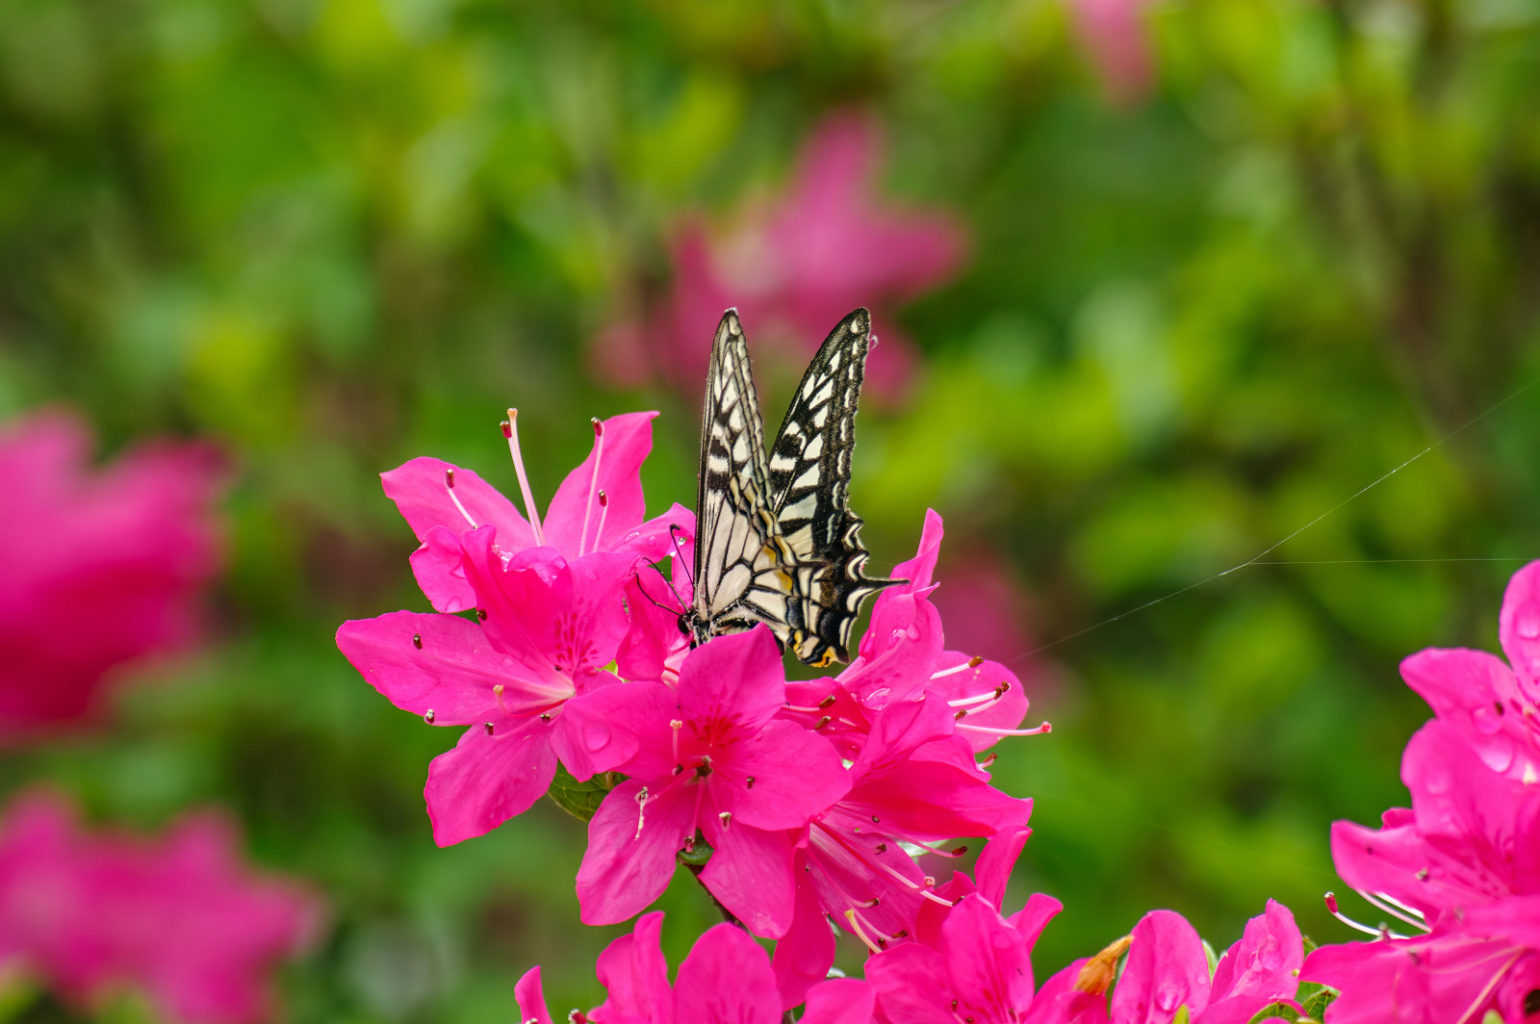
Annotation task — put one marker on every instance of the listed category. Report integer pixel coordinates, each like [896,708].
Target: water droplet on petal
[596,737]
[1485,720]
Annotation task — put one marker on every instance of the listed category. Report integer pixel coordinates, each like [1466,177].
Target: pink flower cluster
[127,549]
[179,916]
[801,805]
[1458,873]
[797,803]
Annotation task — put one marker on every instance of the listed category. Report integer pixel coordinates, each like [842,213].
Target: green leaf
[697,855]
[581,799]
[1313,1005]
[1278,1009]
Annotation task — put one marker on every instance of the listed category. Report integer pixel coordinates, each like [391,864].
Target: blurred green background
[335,234]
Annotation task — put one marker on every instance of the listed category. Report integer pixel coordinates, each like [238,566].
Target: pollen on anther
[875,818]
[825,720]
[830,699]
[497,689]
[507,426]
[678,769]
[961,714]
[481,613]
[417,640]
[749,782]
[428,716]
[726,818]
[604,499]
[449,477]
[882,847]
[975,661]
[489,728]
[545,716]
[598,426]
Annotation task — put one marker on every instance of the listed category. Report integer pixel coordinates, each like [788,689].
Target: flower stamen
[511,432]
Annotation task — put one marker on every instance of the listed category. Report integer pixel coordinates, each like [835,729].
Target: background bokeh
[1226,262]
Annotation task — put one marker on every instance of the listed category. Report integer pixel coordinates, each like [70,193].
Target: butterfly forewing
[741,560]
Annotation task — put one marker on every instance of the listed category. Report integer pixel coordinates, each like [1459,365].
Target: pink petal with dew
[987,961]
[1477,694]
[487,779]
[441,664]
[1264,963]
[634,973]
[1166,970]
[1518,627]
[796,774]
[726,978]
[593,733]
[750,874]
[630,856]
[423,493]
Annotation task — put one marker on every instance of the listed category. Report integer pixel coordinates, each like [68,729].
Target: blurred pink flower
[125,549]
[1115,38]
[793,265]
[179,917]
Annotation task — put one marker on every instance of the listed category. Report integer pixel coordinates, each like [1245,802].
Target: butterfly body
[776,541]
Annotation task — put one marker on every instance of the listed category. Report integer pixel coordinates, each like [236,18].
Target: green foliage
[335,234]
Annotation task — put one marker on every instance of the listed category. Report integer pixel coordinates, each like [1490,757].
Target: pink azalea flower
[712,760]
[179,917]
[1114,36]
[598,507]
[794,265]
[128,549]
[1463,866]
[1495,707]
[726,979]
[976,967]
[1167,969]
[914,785]
[521,678]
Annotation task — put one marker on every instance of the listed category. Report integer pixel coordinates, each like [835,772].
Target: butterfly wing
[741,560]
[809,479]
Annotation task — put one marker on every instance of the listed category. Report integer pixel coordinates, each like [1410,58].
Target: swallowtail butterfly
[775,540]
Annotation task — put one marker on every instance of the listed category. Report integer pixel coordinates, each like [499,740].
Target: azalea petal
[1518,626]
[1166,970]
[987,961]
[530,998]
[805,953]
[439,568]
[420,488]
[670,534]
[957,679]
[1058,1001]
[1032,918]
[738,677]
[596,731]
[750,874]
[619,453]
[634,973]
[630,856]
[996,863]
[840,1001]
[441,664]
[654,645]
[796,775]
[485,780]
[912,985]
[727,979]
[1264,963]
[1474,692]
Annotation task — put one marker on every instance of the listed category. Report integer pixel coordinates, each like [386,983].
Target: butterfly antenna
[673,535]
[655,602]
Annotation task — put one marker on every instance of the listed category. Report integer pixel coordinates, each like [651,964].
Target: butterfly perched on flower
[775,540]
